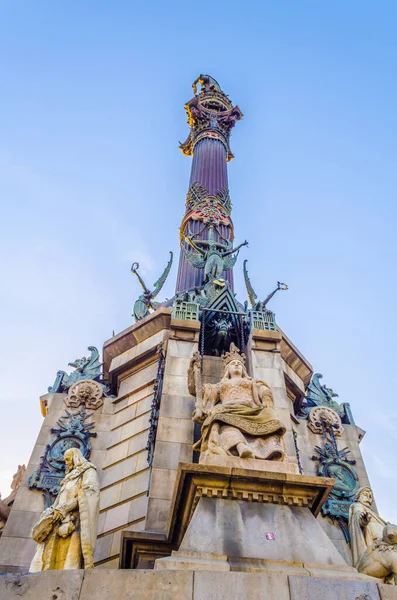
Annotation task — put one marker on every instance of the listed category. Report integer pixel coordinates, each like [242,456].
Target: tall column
[211,116]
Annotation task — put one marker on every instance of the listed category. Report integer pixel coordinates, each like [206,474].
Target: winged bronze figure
[211,255]
[261,305]
[145,300]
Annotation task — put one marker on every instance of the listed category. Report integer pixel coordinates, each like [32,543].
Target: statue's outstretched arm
[134,269]
[233,250]
[189,241]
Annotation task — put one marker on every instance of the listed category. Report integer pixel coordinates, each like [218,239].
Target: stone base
[256,530]
[201,561]
[231,495]
[268,466]
[102,584]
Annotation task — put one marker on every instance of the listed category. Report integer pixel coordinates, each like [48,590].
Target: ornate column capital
[210,114]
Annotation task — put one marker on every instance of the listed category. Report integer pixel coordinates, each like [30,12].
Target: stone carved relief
[6,504]
[66,532]
[73,432]
[237,414]
[87,392]
[320,416]
[373,540]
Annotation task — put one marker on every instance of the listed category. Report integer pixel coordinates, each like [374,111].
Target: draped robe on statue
[362,537]
[242,408]
[66,532]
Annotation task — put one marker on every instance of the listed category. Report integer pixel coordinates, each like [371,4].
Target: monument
[200,456]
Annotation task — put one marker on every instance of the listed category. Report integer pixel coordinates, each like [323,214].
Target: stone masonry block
[273,377]
[176,385]
[175,430]
[162,483]
[16,551]
[135,485]
[168,455]
[213,585]
[313,588]
[181,348]
[20,523]
[387,592]
[118,472]
[179,407]
[157,514]
[137,380]
[143,584]
[176,365]
[31,500]
[62,585]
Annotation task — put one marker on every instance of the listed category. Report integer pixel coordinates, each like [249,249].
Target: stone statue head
[235,368]
[234,362]
[73,458]
[390,534]
[365,496]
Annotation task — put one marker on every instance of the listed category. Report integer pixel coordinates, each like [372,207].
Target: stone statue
[210,255]
[237,414]
[145,300]
[373,541]
[6,504]
[66,532]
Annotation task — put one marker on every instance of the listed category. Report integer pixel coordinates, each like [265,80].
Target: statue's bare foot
[244,451]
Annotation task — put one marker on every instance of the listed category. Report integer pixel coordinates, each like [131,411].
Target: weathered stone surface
[170,454]
[175,430]
[145,585]
[139,379]
[180,407]
[162,483]
[252,586]
[240,529]
[157,514]
[16,552]
[270,466]
[315,588]
[387,592]
[51,585]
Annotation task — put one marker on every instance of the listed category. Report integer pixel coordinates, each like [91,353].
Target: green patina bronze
[212,256]
[320,395]
[85,368]
[145,302]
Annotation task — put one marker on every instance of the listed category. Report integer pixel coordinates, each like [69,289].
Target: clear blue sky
[91,179]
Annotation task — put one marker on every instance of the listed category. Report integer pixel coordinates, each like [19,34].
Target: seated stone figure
[373,541]
[66,532]
[237,414]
